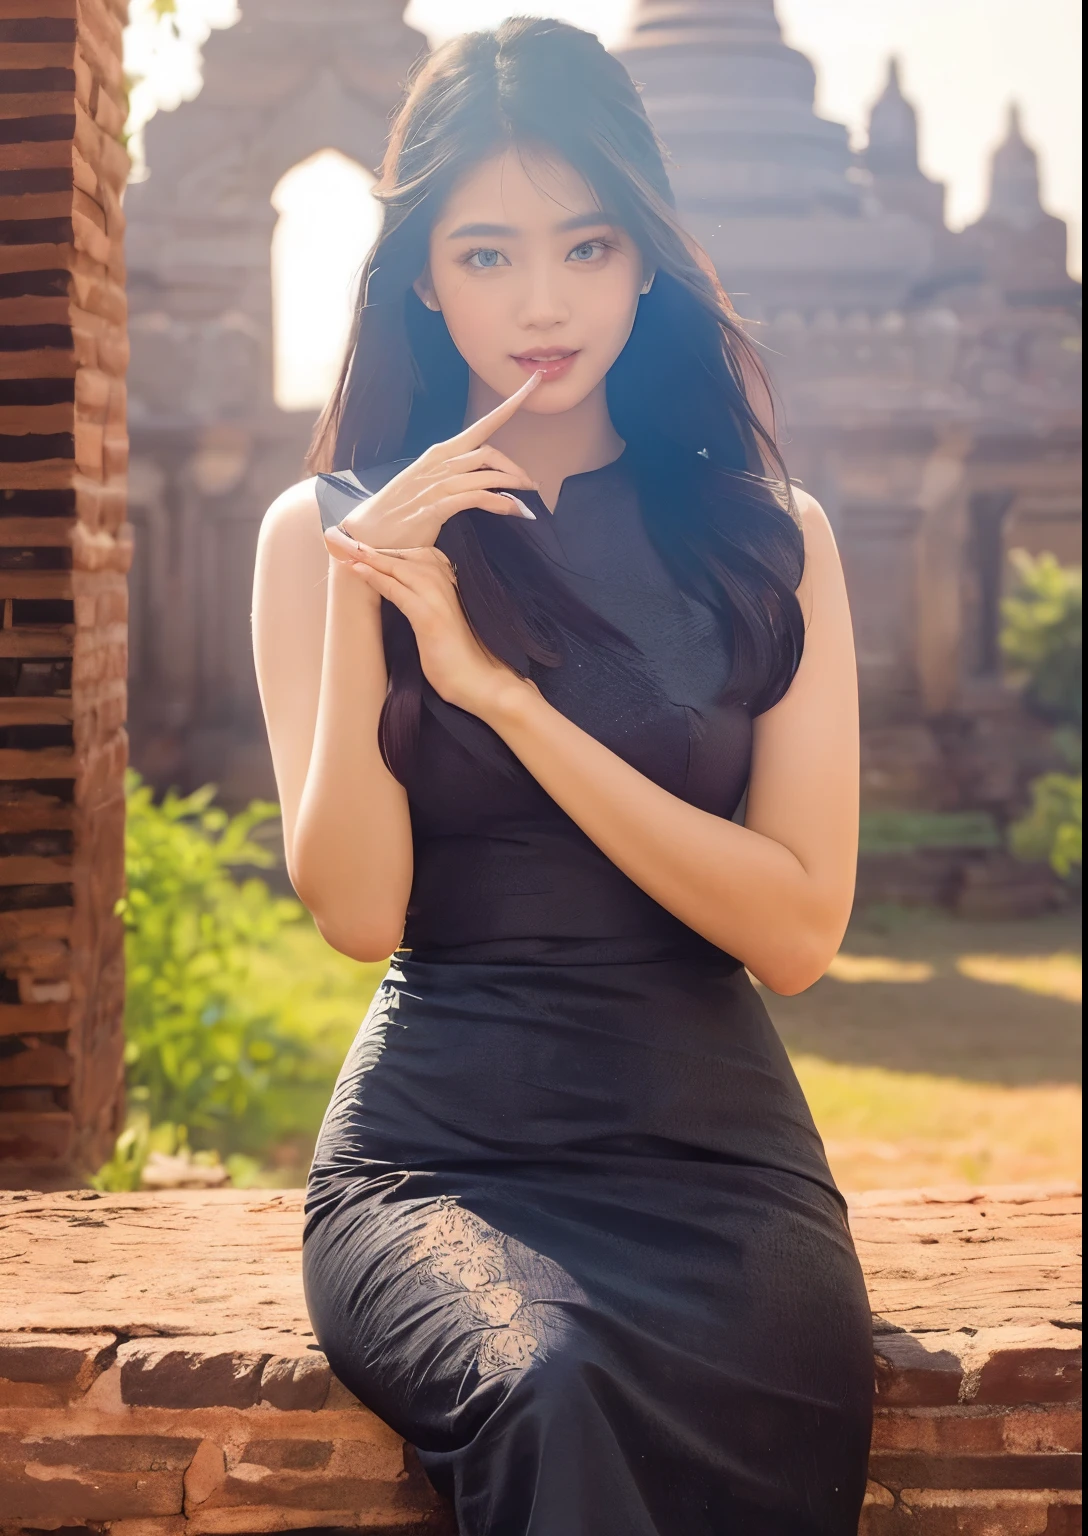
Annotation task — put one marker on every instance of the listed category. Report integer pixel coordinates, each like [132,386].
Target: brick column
[64,551]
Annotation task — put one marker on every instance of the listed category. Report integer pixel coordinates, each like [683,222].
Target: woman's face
[530,273]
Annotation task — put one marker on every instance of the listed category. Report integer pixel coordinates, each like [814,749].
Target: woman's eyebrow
[499,231]
[508,231]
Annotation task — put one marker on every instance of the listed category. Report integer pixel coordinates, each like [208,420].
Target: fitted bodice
[501,872]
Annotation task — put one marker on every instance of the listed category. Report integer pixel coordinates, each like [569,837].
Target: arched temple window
[328,222]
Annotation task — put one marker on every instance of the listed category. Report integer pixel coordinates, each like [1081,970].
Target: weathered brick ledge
[158,1376]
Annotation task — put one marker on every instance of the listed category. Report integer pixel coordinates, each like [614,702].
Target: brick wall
[64,551]
[159,1376]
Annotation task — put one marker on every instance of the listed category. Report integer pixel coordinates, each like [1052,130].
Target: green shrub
[1041,635]
[1041,639]
[203,1049]
[1051,829]
[238,1014]
[905,831]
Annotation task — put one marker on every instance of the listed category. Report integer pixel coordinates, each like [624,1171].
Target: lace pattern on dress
[458,1251]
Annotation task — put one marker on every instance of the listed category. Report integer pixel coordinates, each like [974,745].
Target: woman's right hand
[466,471]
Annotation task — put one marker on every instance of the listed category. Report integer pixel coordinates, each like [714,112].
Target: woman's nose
[542,301]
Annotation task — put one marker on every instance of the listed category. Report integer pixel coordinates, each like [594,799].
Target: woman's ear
[424,291]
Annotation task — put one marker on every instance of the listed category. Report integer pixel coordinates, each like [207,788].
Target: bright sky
[962,62]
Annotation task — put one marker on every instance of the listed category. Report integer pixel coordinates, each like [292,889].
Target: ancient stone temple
[64,550]
[210,447]
[929,381]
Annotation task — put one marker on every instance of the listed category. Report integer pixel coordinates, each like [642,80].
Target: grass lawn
[934,1051]
[939,1051]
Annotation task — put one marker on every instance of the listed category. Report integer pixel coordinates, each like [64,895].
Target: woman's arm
[777,892]
[321,672]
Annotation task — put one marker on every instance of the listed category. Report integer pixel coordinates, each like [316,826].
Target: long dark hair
[712,487]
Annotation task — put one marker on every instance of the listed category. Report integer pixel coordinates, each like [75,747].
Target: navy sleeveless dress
[570,1227]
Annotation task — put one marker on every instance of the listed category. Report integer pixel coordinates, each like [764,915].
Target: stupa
[891,158]
[768,187]
[1016,244]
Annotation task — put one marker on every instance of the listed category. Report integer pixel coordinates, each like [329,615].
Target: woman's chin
[552,397]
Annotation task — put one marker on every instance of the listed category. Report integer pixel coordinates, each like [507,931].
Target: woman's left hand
[422,583]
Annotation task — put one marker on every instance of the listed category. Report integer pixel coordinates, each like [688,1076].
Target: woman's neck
[549,448]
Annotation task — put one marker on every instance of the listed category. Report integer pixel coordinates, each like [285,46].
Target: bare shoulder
[291,530]
[293,515]
[823,581]
[814,523]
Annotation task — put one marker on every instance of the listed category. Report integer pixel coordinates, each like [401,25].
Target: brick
[919,1372]
[296,1383]
[33,1019]
[113,1453]
[1064,1520]
[205,1474]
[43,1065]
[160,1525]
[44,1370]
[381,1496]
[159,1373]
[255,1521]
[1046,1428]
[288,1455]
[974,1513]
[981,1512]
[1030,1375]
[44,1494]
[35,1137]
[980,1432]
[996,1471]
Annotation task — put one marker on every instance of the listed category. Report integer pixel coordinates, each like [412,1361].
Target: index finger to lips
[479,432]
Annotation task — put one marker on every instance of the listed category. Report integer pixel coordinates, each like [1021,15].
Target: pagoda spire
[1014,179]
[893,128]
[891,156]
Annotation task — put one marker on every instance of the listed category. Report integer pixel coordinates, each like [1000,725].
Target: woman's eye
[587,251]
[485,258]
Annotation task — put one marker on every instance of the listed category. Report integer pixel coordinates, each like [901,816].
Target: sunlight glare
[328,222]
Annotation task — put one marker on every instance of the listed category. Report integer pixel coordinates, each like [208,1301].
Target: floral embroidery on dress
[459,1250]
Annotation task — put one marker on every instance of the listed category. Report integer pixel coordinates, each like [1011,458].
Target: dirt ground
[940,1051]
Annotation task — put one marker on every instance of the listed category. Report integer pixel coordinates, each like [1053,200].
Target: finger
[422,554]
[505,504]
[340,545]
[413,569]
[489,457]
[479,480]
[435,558]
[386,586]
[478,433]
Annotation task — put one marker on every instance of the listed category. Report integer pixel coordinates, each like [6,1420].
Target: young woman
[570,1228]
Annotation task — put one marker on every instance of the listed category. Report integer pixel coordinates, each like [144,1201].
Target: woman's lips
[552,366]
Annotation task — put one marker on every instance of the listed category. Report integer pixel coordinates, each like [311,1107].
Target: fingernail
[522,508]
